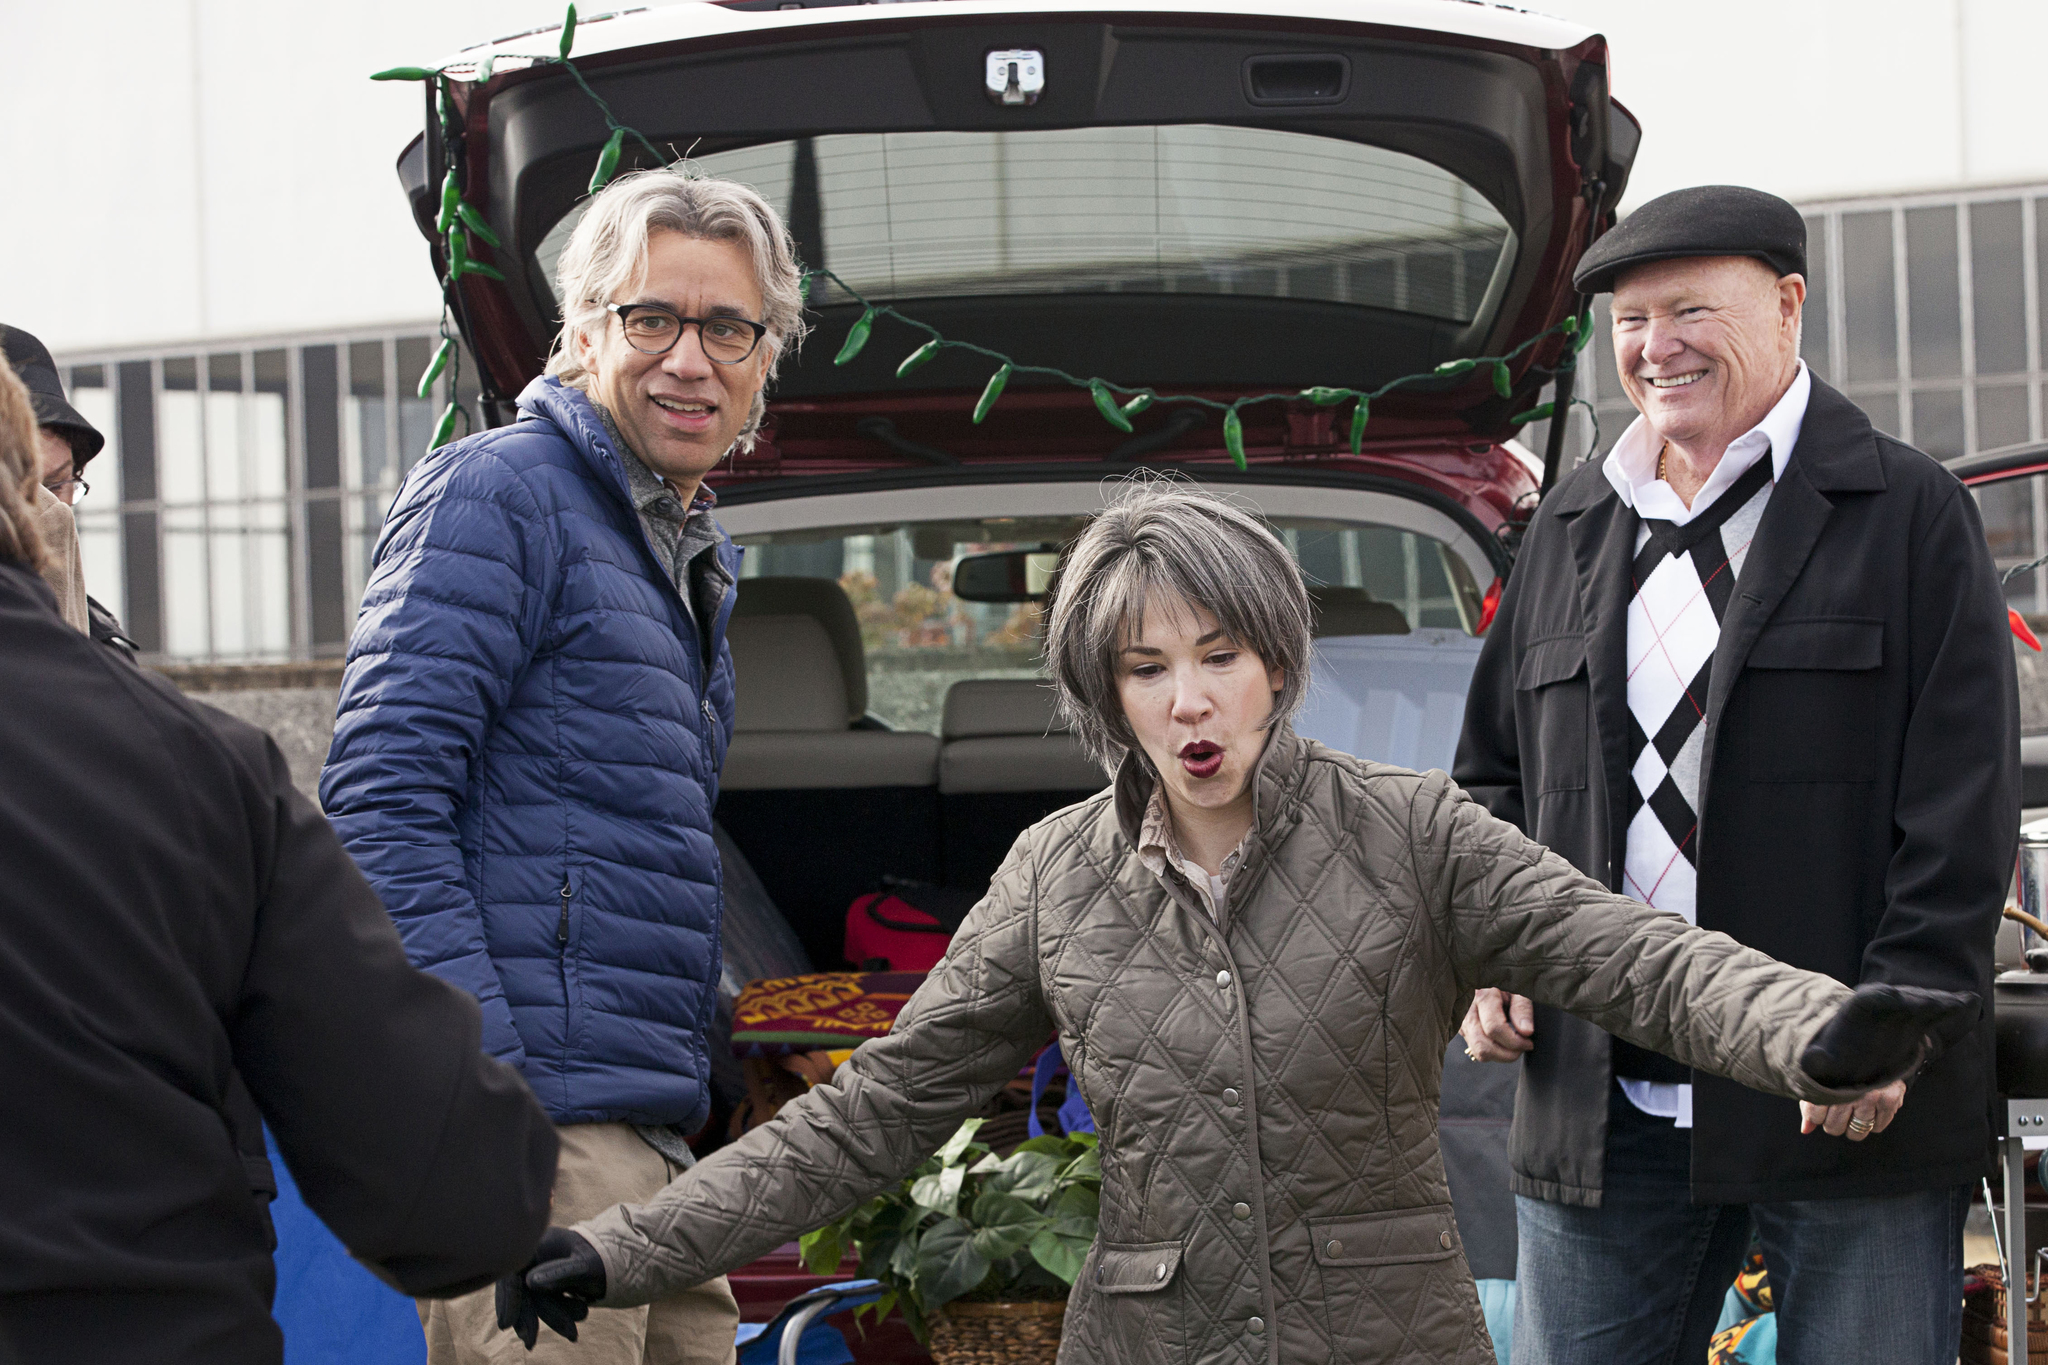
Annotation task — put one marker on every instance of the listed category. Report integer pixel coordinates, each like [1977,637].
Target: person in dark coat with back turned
[174,915]
[1752,668]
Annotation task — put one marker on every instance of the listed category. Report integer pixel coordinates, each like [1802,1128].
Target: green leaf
[474,221]
[1138,404]
[919,357]
[1535,414]
[1324,397]
[1503,382]
[948,1265]
[823,1248]
[1233,437]
[1087,1166]
[1062,1148]
[435,366]
[443,429]
[608,159]
[957,1143]
[940,1193]
[1360,415]
[1078,1215]
[1063,1256]
[1027,1175]
[856,338]
[1004,1225]
[405,73]
[1106,404]
[1456,366]
[1085,1139]
[568,32]
[990,394]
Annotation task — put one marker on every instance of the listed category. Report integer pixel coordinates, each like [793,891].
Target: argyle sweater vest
[1682,580]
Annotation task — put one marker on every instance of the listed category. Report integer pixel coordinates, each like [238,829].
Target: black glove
[1880,1034]
[557,1287]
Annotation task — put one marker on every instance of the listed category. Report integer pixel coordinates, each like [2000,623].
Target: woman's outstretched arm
[972,1026]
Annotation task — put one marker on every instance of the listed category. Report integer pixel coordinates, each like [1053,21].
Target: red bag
[905,927]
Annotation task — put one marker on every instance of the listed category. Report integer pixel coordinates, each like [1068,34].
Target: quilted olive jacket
[1266,1090]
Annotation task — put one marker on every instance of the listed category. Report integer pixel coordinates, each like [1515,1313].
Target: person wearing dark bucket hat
[1752,668]
[68,442]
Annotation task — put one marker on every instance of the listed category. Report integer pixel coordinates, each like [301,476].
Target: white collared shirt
[1632,468]
[1632,465]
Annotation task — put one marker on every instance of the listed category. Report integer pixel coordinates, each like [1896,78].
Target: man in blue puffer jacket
[538,699]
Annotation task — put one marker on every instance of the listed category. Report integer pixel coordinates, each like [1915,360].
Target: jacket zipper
[562,925]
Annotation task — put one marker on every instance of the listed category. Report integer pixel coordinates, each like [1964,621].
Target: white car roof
[632,28]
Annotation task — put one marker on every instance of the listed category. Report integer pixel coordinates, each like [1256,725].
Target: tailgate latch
[1016,76]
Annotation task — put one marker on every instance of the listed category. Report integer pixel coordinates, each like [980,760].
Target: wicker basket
[997,1333]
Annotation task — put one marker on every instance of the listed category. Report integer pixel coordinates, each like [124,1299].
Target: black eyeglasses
[654,329]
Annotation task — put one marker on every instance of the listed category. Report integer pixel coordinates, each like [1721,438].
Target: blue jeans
[1640,1280]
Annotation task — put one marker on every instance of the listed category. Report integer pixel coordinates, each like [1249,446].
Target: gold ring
[1470,1055]
[1860,1125]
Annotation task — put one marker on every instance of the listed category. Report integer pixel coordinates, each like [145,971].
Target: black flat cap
[31,360]
[1706,220]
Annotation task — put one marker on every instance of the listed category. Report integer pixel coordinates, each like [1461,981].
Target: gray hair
[608,251]
[1162,537]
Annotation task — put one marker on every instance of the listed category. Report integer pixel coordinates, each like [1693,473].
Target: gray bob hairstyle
[1160,538]
[608,250]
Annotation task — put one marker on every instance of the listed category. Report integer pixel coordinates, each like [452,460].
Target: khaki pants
[602,1164]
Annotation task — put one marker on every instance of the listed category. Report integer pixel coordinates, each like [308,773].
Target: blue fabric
[1759,1345]
[1074,1115]
[525,762]
[822,1343]
[331,1310]
[1497,1302]
[1643,1277]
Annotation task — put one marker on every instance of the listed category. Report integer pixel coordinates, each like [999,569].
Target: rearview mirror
[1005,576]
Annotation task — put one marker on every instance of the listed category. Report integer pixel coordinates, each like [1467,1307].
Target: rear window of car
[920,639]
[1188,209]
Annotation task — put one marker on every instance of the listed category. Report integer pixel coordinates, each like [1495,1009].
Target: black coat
[173,914]
[1859,789]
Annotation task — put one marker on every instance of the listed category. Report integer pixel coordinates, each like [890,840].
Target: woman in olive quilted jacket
[1253,951]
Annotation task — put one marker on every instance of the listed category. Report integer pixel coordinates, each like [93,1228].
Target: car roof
[639,27]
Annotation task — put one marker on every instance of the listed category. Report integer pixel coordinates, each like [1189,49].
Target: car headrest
[826,602]
[785,675]
[1353,611]
[1000,706]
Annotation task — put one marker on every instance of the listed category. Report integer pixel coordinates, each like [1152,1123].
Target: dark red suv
[1193,197]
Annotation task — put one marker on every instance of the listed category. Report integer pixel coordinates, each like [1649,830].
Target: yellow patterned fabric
[825,1011]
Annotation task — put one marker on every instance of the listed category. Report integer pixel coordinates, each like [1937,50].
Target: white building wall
[196,170]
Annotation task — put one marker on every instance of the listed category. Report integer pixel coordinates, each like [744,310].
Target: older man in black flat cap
[1752,668]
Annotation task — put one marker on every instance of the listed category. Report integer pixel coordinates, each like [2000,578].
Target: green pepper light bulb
[1360,415]
[608,159]
[435,366]
[1106,404]
[990,394]
[568,32]
[919,357]
[856,338]
[1233,436]
[1503,383]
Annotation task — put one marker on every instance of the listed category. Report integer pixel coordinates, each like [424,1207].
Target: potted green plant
[977,1250]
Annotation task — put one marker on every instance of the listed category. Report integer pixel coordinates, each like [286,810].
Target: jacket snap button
[1159,1271]
[1335,1249]
[1223,980]
[1230,1097]
[1443,1240]
[1257,1324]
[1241,1210]
[1098,1274]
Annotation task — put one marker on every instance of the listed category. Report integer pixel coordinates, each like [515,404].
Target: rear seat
[1339,610]
[823,811]
[1008,762]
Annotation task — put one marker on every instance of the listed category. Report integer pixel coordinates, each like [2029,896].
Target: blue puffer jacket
[526,758]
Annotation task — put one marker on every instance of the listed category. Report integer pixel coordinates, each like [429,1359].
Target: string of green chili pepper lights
[1117,403]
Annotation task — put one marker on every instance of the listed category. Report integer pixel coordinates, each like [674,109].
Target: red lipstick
[1201,758]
